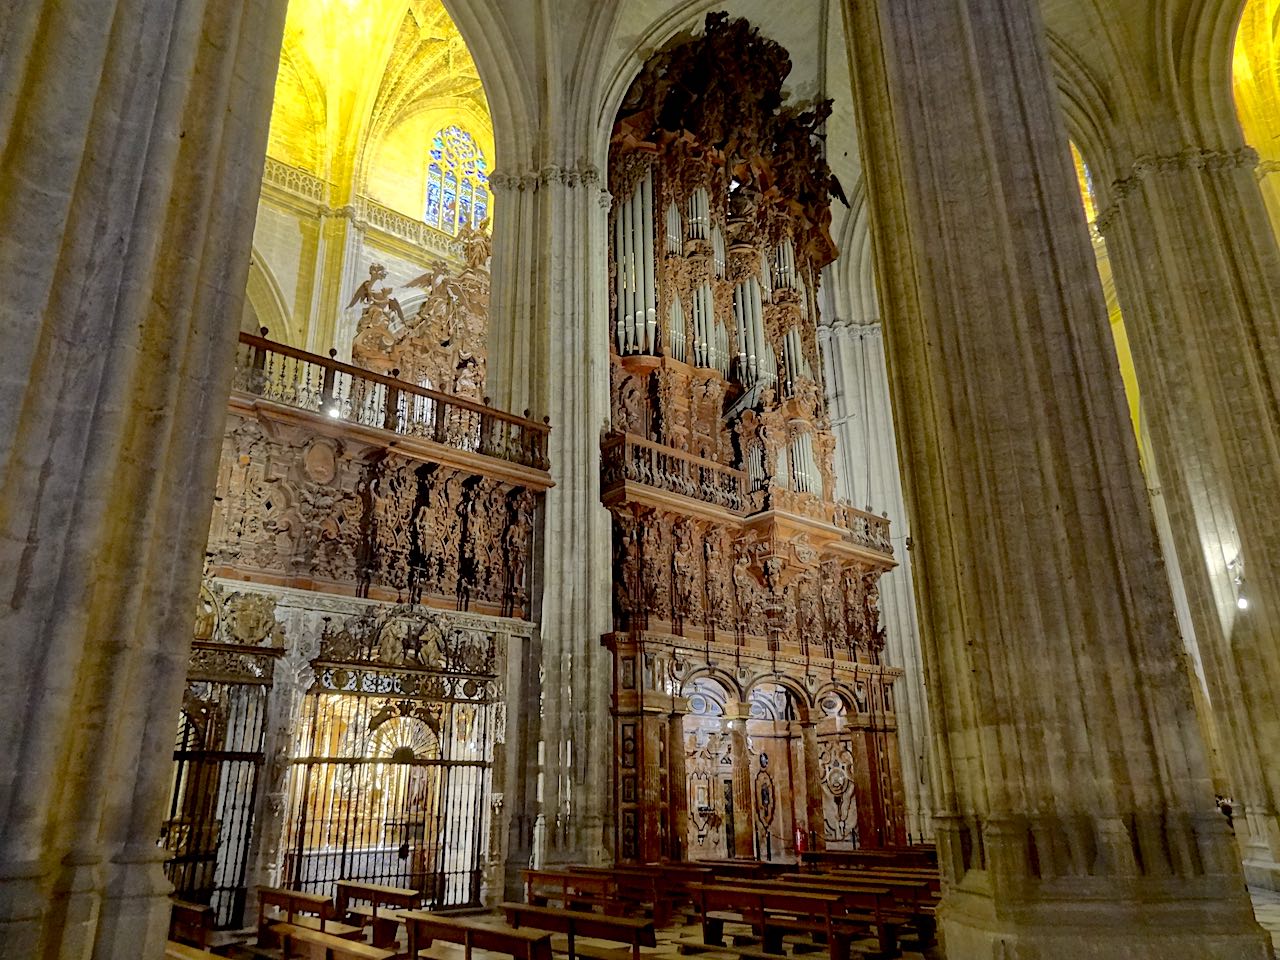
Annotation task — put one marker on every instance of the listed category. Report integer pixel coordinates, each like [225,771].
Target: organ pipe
[637,271]
[620,284]
[675,232]
[676,331]
[649,290]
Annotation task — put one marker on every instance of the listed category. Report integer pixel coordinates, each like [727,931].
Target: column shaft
[1198,275]
[548,324]
[1075,808]
[132,148]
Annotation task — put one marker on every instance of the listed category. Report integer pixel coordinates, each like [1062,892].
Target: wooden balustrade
[627,458]
[284,374]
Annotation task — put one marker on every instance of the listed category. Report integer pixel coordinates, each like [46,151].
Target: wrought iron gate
[391,777]
[217,759]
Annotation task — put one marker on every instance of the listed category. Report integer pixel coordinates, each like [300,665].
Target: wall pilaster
[547,336]
[868,475]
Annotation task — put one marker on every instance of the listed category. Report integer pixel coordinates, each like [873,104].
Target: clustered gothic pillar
[868,475]
[1198,274]
[132,134]
[1074,816]
[548,322]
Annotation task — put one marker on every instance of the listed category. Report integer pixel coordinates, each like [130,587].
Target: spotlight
[333,411]
[1242,603]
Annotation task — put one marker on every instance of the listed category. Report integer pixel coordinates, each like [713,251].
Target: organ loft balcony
[349,481]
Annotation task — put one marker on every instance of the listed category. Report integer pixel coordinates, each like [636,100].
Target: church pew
[183,951]
[862,907]
[930,878]
[308,944]
[897,856]
[639,887]
[772,911]
[424,928]
[377,897]
[190,923]
[311,910]
[572,890]
[575,923]
[741,867]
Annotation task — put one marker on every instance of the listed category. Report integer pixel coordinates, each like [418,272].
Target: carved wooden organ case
[731,552]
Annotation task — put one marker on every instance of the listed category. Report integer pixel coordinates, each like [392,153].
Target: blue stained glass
[433,196]
[460,177]
[448,214]
[464,203]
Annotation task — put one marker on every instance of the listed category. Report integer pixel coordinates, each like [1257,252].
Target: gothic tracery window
[457,181]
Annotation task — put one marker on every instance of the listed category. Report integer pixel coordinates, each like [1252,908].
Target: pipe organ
[741,585]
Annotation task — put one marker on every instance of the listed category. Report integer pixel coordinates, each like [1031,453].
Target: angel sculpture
[477,246]
[377,300]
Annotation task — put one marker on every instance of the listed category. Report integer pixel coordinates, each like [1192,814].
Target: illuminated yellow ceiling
[1257,88]
[354,74]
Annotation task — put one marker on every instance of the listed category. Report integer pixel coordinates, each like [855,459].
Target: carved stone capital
[1189,159]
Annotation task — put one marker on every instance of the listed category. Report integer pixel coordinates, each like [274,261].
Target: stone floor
[1266,905]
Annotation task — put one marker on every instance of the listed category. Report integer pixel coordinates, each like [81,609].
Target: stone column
[678,788]
[1075,812]
[132,136]
[340,269]
[1198,274]
[869,476]
[812,772]
[744,821]
[548,324]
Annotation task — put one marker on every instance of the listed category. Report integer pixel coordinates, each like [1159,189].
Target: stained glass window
[457,181]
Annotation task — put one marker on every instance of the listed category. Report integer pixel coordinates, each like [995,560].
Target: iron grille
[391,781]
[217,758]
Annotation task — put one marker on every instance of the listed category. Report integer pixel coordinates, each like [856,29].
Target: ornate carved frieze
[294,507]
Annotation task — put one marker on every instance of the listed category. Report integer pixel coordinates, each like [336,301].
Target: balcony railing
[296,378]
[627,458]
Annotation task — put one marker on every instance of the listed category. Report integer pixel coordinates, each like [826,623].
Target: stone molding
[581,174]
[1192,158]
[295,180]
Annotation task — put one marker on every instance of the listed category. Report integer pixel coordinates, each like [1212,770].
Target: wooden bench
[863,907]
[183,951]
[190,923]
[575,923]
[423,928]
[918,874]
[742,868]
[899,857]
[314,945]
[772,911]
[639,888]
[311,910]
[581,890]
[376,897]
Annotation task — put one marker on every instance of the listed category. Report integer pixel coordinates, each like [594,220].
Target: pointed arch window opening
[457,182]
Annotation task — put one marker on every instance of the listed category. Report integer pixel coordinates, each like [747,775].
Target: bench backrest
[292,903]
[581,924]
[190,923]
[182,951]
[336,947]
[521,944]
